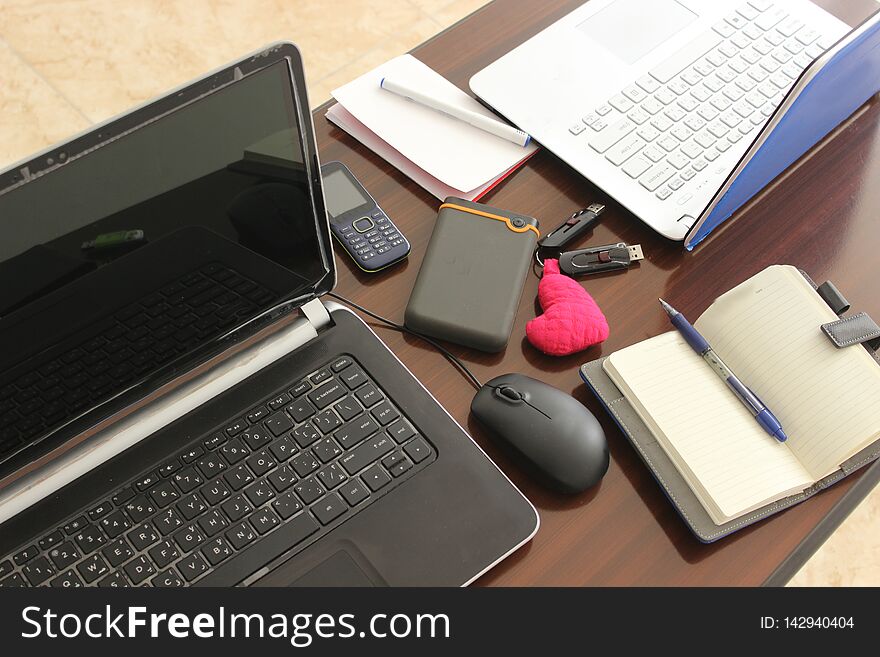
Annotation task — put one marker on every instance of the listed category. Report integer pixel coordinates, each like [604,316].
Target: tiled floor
[65,64]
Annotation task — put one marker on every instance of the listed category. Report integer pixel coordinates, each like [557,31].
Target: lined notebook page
[715,443]
[768,332]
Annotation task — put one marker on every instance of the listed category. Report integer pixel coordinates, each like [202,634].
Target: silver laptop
[656,101]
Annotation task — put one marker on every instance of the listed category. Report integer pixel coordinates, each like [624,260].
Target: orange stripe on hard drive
[497,217]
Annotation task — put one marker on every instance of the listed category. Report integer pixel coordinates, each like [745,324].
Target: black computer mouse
[547,429]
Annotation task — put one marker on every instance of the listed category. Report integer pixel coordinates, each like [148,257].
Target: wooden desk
[821,215]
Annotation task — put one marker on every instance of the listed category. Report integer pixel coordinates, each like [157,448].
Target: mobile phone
[358,223]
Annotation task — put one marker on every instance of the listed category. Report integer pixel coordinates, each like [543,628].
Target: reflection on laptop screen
[125,261]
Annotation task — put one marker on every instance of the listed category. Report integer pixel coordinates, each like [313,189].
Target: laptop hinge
[316,313]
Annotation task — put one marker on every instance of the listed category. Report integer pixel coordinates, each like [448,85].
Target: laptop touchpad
[630,29]
[338,570]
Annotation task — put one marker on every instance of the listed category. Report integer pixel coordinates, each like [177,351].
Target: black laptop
[178,406]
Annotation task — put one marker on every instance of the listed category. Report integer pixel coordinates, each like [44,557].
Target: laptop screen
[126,262]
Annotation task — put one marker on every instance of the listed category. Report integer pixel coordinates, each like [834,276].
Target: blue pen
[749,399]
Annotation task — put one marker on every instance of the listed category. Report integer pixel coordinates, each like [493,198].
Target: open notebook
[767,330]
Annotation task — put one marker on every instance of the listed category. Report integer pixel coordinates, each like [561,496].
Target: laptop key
[401,431]
[612,134]
[348,408]
[354,377]
[192,566]
[169,468]
[328,393]
[164,494]
[64,555]
[233,451]
[67,579]
[117,552]
[385,413]
[331,476]
[238,477]
[259,493]
[100,511]
[188,480]
[164,553]
[261,462]
[282,479]
[340,363]
[376,477]
[400,467]
[237,507]
[309,490]
[320,376]
[213,522]
[189,538]
[417,450]
[306,434]
[192,454]
[241,535]
[278,423]
[366,453]
[327,421]
[215,491]
[5,568]
[329,508]
[192,506]
[167,579]
[256,438]
[301,409]
[217,550]
[354,432]
[93,568]
[287,505]
[279,401]
[326,450]
[211,465]
[304,463]
[284,448]
[146,482]
[264,520]
[368,395]
[114,580]
[168,521]
[90,539]
[354,491]
[143,536]
[215,440]
[46,542]
[38,571]
[300,389]
[139,569]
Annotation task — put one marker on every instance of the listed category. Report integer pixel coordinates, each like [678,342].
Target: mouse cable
[452,358]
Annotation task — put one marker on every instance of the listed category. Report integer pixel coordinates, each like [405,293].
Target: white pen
[481,121]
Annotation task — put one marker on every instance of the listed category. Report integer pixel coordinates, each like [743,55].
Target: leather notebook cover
[471,280]
[667,475]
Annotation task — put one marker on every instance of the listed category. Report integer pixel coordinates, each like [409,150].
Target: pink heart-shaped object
[571,321]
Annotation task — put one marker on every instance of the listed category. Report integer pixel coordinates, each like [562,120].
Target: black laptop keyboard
[129,345]
[282,474]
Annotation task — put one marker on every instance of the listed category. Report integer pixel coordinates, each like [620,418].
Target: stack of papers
[446,156]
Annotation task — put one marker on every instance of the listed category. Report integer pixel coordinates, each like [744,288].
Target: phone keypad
[370,237]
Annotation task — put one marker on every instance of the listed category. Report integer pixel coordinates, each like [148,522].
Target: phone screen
[341,195]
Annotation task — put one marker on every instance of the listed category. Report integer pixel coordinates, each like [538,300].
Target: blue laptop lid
[842,85]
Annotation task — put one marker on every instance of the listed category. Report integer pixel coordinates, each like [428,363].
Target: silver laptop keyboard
[669,125]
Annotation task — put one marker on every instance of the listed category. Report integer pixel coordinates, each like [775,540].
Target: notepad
[767,330]
[446,156]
